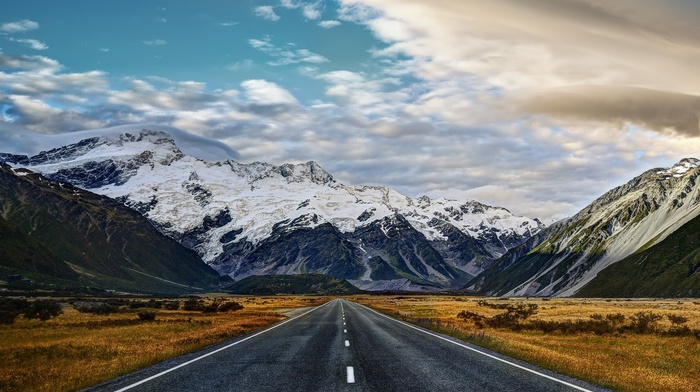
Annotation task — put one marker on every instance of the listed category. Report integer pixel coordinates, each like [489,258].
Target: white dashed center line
[345,331]
[347,343]
[351,375]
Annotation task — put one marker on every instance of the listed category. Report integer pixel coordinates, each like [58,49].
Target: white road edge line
[480,352]
[351,375]
[217,350]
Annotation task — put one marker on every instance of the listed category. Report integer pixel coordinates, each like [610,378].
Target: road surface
[344,346]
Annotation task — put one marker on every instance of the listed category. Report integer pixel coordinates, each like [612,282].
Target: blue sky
[538,105]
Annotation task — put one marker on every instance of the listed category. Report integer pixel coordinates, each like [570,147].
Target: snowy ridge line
[212,206]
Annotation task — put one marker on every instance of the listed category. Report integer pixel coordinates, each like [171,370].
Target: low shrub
[94,307]
[43,310]
[230,306]
[11,308]
[194,305]
[645,321]
[146,315]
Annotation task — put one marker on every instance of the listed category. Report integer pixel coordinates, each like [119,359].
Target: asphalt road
[343,346]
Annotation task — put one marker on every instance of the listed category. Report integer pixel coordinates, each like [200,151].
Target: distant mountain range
[261,219]
[257,219]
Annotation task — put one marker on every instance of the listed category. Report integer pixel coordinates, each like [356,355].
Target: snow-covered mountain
[258,218]
[628,219]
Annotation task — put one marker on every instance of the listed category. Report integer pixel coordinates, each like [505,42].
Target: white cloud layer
[266,12]
[155,42]
[327,24]
[32,43]
[538,106]
[19,26]
[286,55]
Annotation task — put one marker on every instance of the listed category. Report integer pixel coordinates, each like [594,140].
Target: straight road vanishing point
[344,346]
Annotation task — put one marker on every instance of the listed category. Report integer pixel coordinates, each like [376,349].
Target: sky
[539,106]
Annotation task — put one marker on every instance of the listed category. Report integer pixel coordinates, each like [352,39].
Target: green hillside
[64,236]
[670,268]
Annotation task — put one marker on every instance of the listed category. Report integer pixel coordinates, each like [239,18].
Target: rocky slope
[626,220]
[258,218]
[61,235]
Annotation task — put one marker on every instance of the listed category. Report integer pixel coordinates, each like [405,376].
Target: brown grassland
[621,360]
[77,350]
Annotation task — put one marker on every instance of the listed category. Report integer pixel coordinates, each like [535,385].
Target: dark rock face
[386,249]
[193,238]
[459,248]
[307,250]
[94,174]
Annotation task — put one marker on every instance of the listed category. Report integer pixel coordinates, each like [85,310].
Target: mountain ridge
[625,220]
[210,206]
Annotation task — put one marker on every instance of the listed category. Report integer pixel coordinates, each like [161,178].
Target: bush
[615,318]
[94,307]
[230,306]
[644,321]
[146,315]
[677,320]
[11,308]
[479,320]
[173,305]
[43,310]
[512,317]
[194,304]
[212,307]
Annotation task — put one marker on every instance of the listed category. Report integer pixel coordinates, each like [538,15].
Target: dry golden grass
[621,361]
[77,350]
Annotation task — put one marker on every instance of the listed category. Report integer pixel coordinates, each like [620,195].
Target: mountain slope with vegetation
[668,269]
[58,234]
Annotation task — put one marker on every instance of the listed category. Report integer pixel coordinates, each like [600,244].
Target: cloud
[286,55]
[508,47]
[28,62]
[653,109]
[266,12]
[538,106]
[357,12]
[161,20]
[262,92]
[32,43]
[228,24]
[20,26]
[290,4]
[311,11]
[155,42]
[240,65]
[327,24]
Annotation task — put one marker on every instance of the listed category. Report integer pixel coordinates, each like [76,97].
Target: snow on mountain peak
[225,202]
[680,168]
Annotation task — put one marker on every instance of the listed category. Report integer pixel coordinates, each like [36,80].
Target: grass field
[622,359]
[77,350]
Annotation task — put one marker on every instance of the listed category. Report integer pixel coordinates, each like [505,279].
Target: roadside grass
[78,350]
[621,360]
